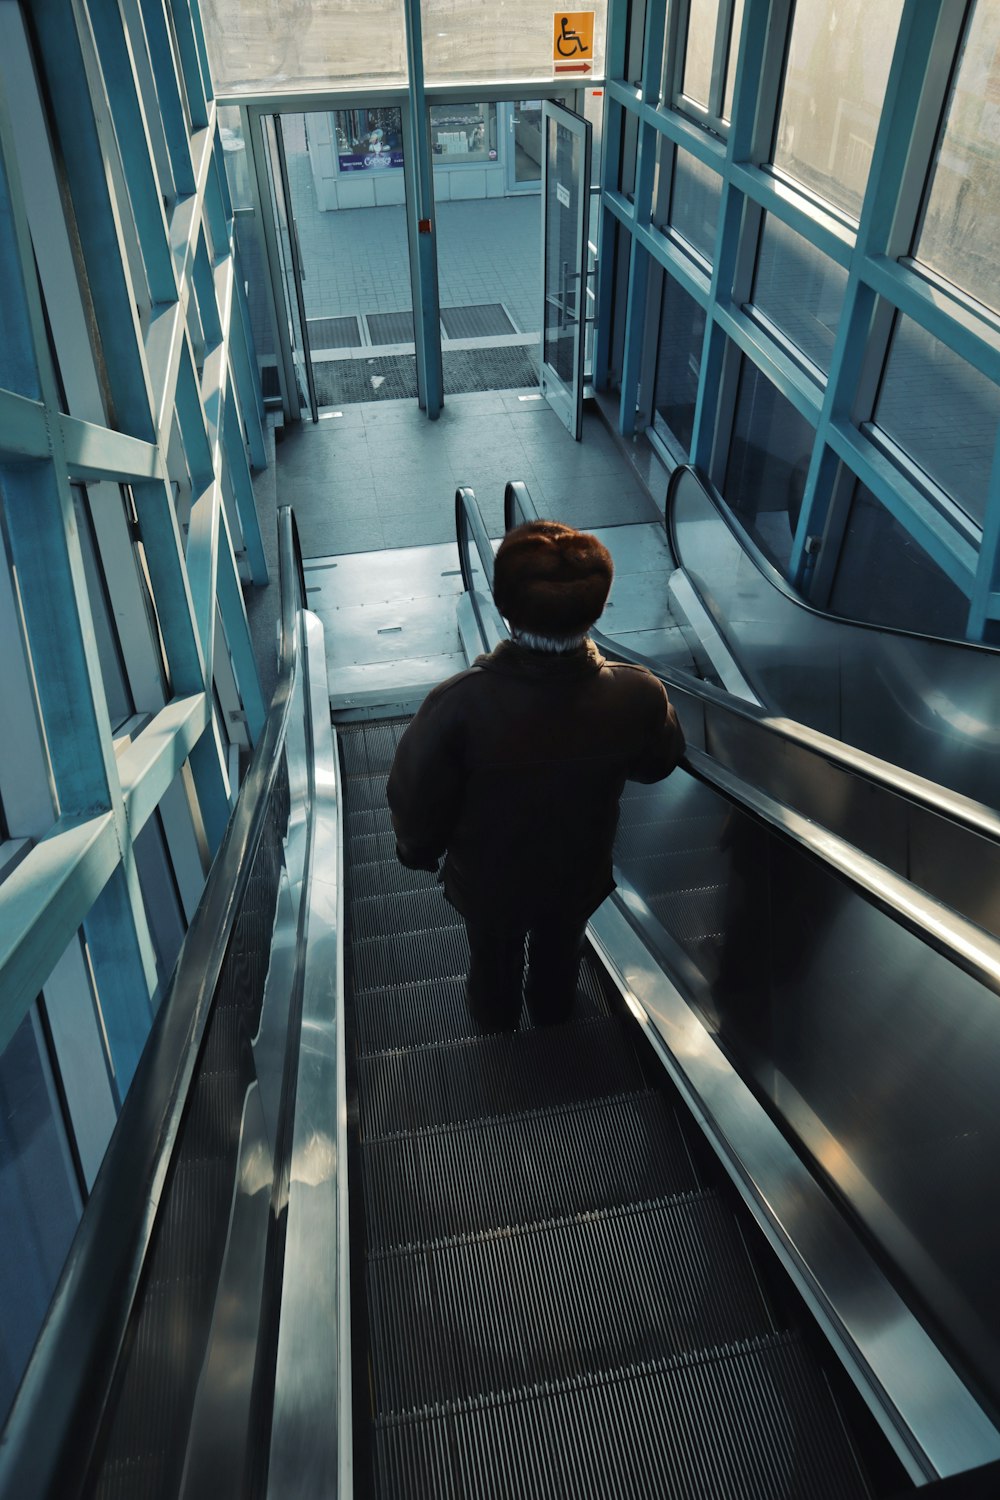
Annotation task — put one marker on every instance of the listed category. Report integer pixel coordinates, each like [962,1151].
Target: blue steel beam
[196,84]
[234,623]
[148,767]
[42,905]
[246,503]
[115,55]
[168,94]
[24,428]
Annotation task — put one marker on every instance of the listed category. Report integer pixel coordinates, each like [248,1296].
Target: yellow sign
[573,41]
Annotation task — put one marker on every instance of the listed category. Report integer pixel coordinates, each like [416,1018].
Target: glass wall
[821,334]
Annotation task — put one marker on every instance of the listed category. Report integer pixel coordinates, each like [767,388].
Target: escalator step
[368,820]
[368,749]
[670,870]
[523,1169]
[490,1076]
[752,1423]
[442,953]
[639,839]
[367,848]
[399,914]
[559,1300]
[386,878]
[691,916]
[364,792]
[418,1015]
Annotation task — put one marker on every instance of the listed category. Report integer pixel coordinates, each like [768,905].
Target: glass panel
[734,52]
[369,140]
[942,412]
[800,289]
[562,253]
[694,202]
[235,153]
[959,230]
[38,1202]
[258,47]
[464,133]
[699,50]
[526,130]
[838,67]
[678,361]
[883,576]
[768,462]
[116,689]
[465,39]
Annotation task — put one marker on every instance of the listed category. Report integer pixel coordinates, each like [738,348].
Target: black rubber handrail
[48,1437]
[777,579]
[964,811]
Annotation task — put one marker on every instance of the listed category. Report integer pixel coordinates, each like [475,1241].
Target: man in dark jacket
[516,767]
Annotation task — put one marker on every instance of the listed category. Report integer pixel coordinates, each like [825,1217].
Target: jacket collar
[512,660]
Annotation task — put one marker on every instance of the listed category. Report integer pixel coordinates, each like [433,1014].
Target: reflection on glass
[38,1207]
[465,39]
[464,133]
[694,202]
[768,462]
[678,362]
[526,127]
[699,50]
[942,412]
[800,289]
[234,151]
[961,222]
[259,47]
[884,577]
[563,294]
[838,67]
[368,140]
[734,52]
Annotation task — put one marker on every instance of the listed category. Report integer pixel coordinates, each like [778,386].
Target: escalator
[587,1260]
[917,701]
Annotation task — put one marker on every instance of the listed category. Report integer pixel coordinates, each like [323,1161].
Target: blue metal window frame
[875,254]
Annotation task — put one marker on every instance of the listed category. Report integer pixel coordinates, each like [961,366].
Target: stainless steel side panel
[935,1425]
[311,1429]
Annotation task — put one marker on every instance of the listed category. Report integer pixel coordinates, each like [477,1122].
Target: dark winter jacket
[516,767]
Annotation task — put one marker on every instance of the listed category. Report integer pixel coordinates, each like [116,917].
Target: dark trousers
[496,966]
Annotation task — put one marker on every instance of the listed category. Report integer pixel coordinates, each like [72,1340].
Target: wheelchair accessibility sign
[573,41]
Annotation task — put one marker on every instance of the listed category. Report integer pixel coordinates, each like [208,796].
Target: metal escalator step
[370,849]
[560,1300]
[691,916]
[670,870]
[384,877]
[660,834]
[490,1076]
[752,1422]
[368,820]
[364,792]
[368,749]
[420,1015]
[442,953]
[399,913]
[519,1170]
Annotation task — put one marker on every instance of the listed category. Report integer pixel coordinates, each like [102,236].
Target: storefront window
[369,139]
[464,132]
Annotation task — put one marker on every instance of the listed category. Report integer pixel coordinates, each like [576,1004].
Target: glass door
[289,259]
[524,145]
[566,141]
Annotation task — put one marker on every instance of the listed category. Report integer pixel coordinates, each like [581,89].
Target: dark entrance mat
[483,320]
[388,377]
[334,333]
[390,327]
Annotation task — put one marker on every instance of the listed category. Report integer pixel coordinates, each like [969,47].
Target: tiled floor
[382,475]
